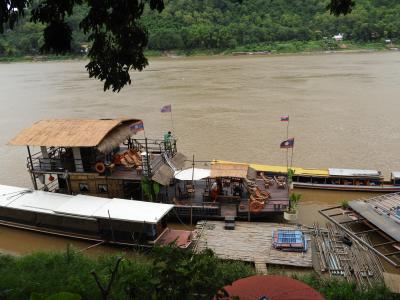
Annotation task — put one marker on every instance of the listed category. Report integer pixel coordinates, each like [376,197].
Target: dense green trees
[226,24]
[210,24]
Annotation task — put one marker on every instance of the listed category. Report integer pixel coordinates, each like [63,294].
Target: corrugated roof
[353,172]
[83,206]
[68,133]
[229,170]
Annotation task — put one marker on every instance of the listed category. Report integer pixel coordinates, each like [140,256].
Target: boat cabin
[228,189]
[114,220]
[104,158]
[395,178]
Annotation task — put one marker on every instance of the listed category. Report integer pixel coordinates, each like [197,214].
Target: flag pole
[172,122]
[287,150]
[291,157]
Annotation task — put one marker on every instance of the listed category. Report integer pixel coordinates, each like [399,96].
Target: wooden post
[147,158]
[248,210]
[31,169]
[287,149]
[67,180]
[191,204]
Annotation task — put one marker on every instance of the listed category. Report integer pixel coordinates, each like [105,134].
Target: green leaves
[57,34]
[338,7]
[10,11]
[118,40]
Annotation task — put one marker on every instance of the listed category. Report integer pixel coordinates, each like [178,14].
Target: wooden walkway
[250,242]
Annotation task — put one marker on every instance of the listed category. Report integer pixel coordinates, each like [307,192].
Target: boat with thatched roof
[108,158]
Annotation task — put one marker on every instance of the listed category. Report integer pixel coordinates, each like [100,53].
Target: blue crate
[289,240]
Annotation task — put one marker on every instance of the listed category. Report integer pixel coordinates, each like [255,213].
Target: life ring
[256,207]
[100,167]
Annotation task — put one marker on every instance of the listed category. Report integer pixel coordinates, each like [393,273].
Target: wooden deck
[182,238]
[250,242]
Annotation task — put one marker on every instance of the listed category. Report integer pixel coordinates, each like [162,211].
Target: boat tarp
[179,160]
[192,173]
[353,172]
[82,205]
[163,175]
[229,170]
[280,169]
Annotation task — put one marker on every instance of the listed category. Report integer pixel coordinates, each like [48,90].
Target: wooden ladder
[261,265]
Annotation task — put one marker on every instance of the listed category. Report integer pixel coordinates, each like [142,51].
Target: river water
[343,109]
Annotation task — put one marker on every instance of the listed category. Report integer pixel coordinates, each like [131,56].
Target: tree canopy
[113,28]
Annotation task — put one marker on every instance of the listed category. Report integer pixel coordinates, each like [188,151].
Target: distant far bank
[275,48]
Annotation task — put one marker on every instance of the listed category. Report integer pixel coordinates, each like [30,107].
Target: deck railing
[206,208]
[55,162]
[156,146]
[59,161]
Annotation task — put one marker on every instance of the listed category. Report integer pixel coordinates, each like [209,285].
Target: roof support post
[45,164]
[30,168]
[77,159]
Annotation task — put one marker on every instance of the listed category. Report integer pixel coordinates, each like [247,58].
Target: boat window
[102,188]
[83,187]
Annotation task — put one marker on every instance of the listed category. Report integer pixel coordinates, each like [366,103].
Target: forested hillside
[228,24]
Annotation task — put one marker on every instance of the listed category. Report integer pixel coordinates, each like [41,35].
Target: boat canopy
[105,134]
[354,172]
[83,206]
[280,169]
[229,170]
[192,173]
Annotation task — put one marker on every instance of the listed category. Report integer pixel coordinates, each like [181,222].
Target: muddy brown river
[344,112]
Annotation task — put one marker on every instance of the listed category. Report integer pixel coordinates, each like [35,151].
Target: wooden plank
[250,240]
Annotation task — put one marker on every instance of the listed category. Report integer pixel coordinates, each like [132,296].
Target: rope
[16,195]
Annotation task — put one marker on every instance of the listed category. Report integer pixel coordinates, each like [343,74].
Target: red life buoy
[256,207]
[100,167]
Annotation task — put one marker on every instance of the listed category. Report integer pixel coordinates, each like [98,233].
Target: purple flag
[166,108]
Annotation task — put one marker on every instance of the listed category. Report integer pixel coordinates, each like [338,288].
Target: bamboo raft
[345,258]
[249,242]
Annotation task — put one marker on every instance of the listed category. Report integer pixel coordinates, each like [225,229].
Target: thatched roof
[105,134]
[229,170]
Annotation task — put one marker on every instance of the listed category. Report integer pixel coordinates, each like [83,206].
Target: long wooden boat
[106,158]
[93,219]
[333,178]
